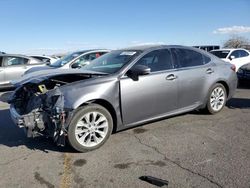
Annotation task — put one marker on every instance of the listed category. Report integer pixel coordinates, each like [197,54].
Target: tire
[90,128]
[217,94]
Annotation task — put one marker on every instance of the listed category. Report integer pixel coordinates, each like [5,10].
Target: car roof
[92,50]
[17,55]
[152,47]
[39,55]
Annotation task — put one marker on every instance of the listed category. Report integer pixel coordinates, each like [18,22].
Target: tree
[236,42]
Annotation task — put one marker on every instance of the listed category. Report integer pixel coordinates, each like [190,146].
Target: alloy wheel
[217,98]
[91,129]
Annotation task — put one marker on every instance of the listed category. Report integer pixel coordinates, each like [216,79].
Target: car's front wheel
[217,99]
[90,128]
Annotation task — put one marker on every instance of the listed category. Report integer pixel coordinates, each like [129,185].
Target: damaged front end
[38,107]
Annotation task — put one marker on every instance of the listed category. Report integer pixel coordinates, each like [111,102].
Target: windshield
[111,62]
[221,54]
[66,59]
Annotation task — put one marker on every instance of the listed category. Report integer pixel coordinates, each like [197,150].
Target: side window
[83,60]
[12,61]
[158,60]
[235,53]
[102,53]
[93,56]
[243,53]
[188,58]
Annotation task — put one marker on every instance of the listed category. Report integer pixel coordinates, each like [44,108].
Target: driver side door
[152,95]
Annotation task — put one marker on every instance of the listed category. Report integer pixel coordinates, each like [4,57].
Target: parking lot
[191,150]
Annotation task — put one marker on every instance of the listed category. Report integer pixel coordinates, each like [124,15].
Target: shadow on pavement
[245,84]
[12,136]
[241,103]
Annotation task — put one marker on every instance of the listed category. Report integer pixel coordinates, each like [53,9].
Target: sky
[54,26]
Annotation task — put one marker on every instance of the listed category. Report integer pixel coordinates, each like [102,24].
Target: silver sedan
[13,66]
[121,89]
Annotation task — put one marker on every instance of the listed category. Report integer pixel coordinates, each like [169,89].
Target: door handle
[209,71]
[171,77]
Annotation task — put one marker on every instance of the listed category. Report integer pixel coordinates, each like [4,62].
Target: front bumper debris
[40,115]
[16,118]
[33,122]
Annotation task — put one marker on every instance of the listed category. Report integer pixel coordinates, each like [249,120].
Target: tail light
[233,68]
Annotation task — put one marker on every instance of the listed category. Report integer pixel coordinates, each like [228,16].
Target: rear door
[193,71]
[14,67]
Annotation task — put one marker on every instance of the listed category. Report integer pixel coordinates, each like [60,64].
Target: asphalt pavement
[190,150]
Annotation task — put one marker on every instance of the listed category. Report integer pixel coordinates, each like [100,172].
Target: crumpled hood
[246,67]
[38,76]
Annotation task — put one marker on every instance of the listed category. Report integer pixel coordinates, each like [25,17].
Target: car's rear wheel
[90,128]
[217,99]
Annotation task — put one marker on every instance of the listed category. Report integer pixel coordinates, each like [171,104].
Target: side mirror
[137,71]
[232,57]
[75,66]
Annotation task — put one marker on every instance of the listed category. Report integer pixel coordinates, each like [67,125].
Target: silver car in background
[46,59]
[121,89]
[73,60]
[13,66]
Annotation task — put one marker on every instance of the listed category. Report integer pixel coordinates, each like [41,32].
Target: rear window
[15,61]
[187,57]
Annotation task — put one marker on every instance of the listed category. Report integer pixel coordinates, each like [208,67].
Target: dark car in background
[244,74]
[121,89]
[208,48]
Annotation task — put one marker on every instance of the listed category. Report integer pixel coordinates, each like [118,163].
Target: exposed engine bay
[41,106]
